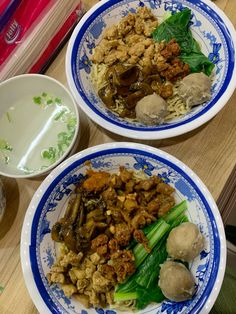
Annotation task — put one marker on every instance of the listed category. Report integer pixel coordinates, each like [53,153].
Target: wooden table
[210,151]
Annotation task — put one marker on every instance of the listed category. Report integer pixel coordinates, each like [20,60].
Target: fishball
[195,89]
[176,281]
[151,109]
[185,242]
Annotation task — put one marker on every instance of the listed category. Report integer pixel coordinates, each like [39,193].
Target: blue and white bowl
[38,251]
[211,28]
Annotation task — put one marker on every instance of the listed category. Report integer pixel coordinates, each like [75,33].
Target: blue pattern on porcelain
[173,6]
[169,307]
[85,63]
[48,256]
[144,165]
[102,311]
[214,39]
[52,206]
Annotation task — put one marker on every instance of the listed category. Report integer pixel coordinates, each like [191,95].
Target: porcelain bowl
[39,125]
[38,251]
[210,27]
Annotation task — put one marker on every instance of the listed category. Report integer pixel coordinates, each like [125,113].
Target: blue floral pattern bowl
[210,27]
[38,251]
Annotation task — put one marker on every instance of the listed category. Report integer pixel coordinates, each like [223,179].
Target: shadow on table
[11,190]
[225,303]
[155,143]
[84,137]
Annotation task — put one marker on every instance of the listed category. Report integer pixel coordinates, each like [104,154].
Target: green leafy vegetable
[175,212]
[198,62]
[148,273]
[49,154]
[172,215]
[154,236]
[71,123]
[9,117]
[59,115]
[148,295]
[49,102]
[142,286]
[58,100]
[177,27]
[37,100]
[5,146]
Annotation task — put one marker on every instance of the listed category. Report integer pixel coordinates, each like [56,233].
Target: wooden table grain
[210,151]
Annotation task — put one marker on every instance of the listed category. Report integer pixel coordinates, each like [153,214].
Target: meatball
[195,89]
[185,242]
[176,281]
[151,109]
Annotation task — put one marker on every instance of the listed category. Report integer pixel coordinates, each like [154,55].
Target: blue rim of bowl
[231,59]
[33,247]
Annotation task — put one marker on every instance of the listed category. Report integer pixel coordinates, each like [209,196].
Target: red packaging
[7,9]
[35,34]
[4,4]
[19,24]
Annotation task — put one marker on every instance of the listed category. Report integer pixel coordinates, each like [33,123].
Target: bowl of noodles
[96,235]
[152,69]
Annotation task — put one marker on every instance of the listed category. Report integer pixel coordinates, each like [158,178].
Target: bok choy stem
[154,237]
[148,264]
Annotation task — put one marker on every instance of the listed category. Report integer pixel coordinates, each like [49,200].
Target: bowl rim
[139,134]
[26,233]
[77,129]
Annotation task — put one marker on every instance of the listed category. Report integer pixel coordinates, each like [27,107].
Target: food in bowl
[137,58]
[112,235]
[209,26]
[52,114]
[176,281]
[185,242]
[39,125]
[39,252]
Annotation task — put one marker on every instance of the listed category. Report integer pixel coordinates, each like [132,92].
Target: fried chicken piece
[109,194]
[132,39]
[130,204]
[137,49]
[123,264]
[166,91]
[96,181]
[122,234]
[125,175]
[141,238]
[149,27]
[154,206]
[113,246]
[108,272]
[99,244]
[168,203]
[142,219]
[171,49]
[176,70]
[147,184]
[165,189]
[100,282]
[111,32]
